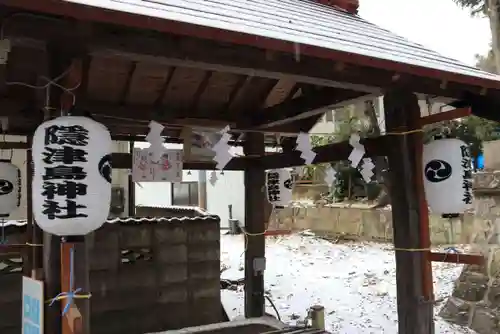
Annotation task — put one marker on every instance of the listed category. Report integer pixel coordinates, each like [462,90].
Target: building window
[185,194]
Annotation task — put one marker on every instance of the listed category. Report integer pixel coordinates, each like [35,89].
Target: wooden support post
[202,189]
[131,187]
[74,321]
[62,61]
[255,226]
[317,315]
[52,243]
[35,233]
[77,320]
[409,214]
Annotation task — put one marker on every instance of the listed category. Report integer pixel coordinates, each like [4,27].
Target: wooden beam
[239,59]
[124,161]
[104,112]
[237,89]
[445,116]
[409,215]
[457,258]
[302,107]
[128,81]
[159,99]
[255,223]
[327,153]
[195,100]
[184,30]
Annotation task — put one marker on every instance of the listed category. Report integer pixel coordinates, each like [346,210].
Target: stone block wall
[475,301]
[360,222]
[163,271]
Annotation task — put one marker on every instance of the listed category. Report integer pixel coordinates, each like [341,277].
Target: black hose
[273,306]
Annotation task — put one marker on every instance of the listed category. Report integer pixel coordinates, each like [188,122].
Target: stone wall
[164,271]
[475,301]
[360,222]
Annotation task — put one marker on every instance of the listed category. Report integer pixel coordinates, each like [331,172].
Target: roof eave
[96,14]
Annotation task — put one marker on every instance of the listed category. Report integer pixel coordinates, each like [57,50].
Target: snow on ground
[355,282]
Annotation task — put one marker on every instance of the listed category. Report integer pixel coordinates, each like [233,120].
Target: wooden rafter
[128,81]
[237,89]
[164,88]
[211,55]
[195,102]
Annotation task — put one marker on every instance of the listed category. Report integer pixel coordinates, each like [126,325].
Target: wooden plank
[76,320]
[445,116]
[255,227]
[415,307]
[300,108]
[327,153]
[457,258]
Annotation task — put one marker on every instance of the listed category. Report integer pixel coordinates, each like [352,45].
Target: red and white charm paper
[167,169]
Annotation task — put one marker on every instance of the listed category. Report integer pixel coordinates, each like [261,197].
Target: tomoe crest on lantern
[447,176]
[72,175]
[10,188]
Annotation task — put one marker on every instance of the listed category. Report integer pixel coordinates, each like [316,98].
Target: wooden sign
[32,309]
[167,169]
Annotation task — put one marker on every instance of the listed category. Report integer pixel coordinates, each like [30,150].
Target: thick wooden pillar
[255,226]
[131,187]
[36,233]
[68,61]
[409,214]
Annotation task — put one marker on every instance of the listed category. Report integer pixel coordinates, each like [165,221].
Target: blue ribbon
[451,250]
[72,294]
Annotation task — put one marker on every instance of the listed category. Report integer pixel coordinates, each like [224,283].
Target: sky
[439,25]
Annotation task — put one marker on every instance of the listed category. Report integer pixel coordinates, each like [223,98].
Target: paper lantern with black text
[72,175]
[447,176]
[279,187]
[10,188]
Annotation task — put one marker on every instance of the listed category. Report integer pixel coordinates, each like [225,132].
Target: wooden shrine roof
[262,65]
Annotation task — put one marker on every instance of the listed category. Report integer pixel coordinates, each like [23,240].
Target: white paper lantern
[279,187]
[72,175]
[447,176]
[10,188]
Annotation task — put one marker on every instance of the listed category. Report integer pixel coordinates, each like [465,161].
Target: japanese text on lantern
[273,186]
[64,179]
[467,175]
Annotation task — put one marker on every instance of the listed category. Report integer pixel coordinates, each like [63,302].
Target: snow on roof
[298,21]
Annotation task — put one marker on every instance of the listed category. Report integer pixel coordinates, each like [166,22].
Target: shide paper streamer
[156,149]
[305,149]
[222,153]
[330,176]
[358,150]
[367,169]
[356,156]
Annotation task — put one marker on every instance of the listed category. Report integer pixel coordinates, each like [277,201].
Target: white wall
[159,194]
[229,190]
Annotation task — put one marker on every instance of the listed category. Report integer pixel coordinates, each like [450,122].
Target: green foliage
[472,129]
[349,181]
[476,7]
